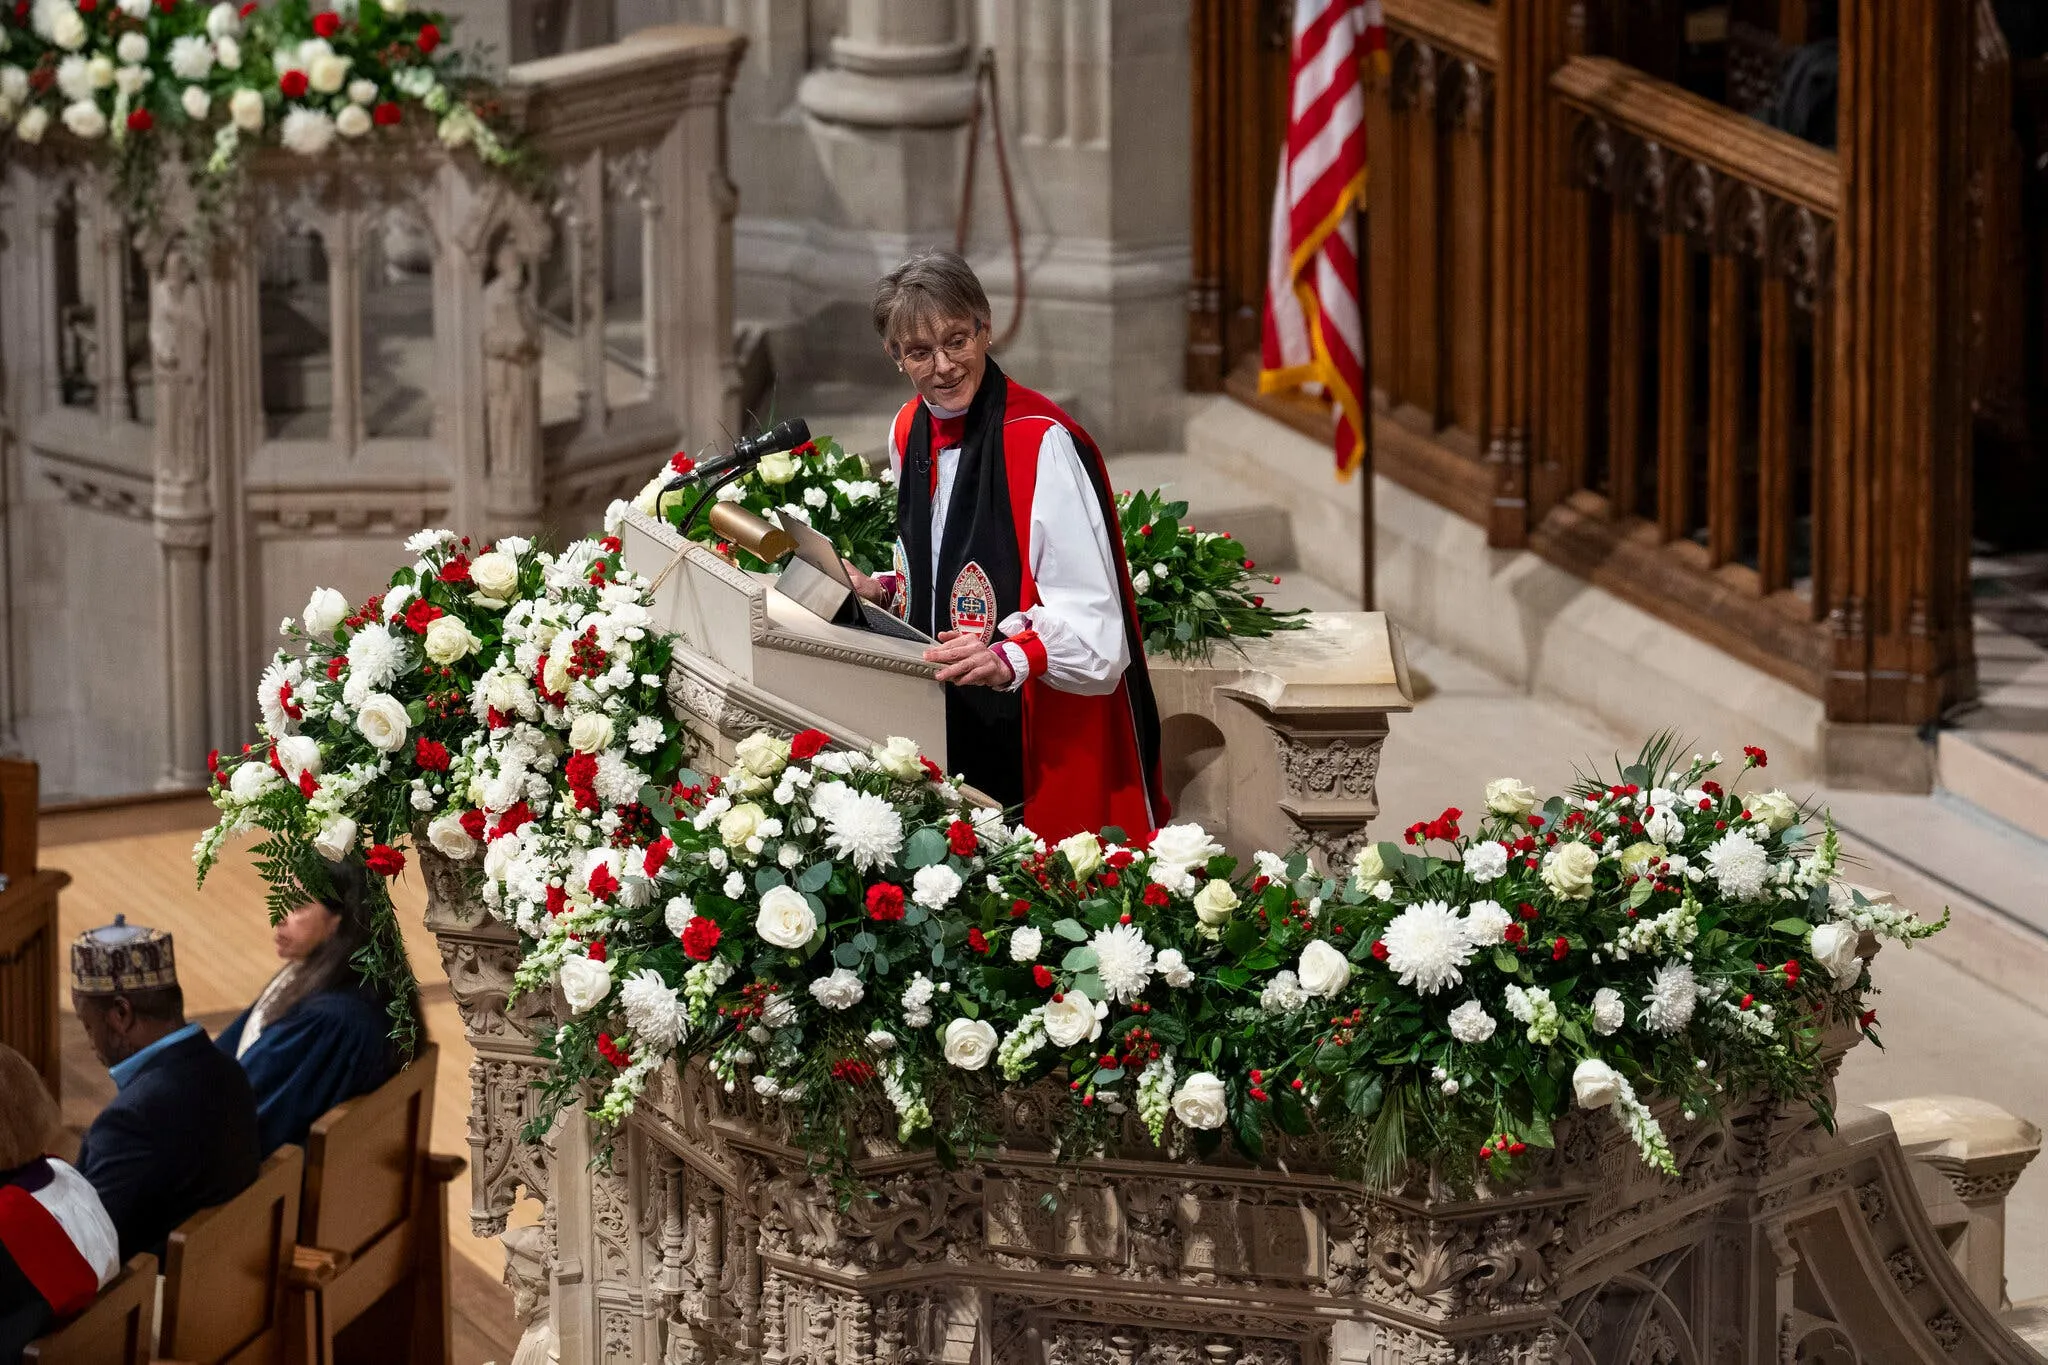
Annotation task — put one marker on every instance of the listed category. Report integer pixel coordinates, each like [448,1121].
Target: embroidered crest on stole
[899,600]
[974,602]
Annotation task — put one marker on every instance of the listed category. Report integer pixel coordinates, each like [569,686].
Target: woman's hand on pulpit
[867,587]
[967,662]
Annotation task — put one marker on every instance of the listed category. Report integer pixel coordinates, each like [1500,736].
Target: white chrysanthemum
[1740,864]
[935,886]
[618,782]
[308,132]
[1486,923]
[644,735]
[1124,961]
[1608,1011]
[1486,861]
[374,656]
[1670,998]
[1470,1023]
[653,1011]
[863,829]
[1426,946]
[1283,993]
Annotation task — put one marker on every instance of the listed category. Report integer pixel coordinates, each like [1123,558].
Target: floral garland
[143,81]
[842,935]
[1193,588]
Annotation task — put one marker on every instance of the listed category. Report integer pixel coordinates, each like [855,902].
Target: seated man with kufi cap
[180,1136]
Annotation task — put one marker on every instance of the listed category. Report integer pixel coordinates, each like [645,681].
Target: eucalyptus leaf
[923,848]
[767,879]
[1078,959]
[814,877]
[1071,929]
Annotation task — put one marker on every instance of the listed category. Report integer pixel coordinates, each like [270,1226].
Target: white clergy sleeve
[1079,618]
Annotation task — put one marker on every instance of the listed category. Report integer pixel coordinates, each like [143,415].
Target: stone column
[179,333]
[883,115]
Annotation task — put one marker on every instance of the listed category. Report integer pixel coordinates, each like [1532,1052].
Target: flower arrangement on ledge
[842,934]
[144,81]
[1193,588]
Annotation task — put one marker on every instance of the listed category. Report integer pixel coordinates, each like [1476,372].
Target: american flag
[1312,338]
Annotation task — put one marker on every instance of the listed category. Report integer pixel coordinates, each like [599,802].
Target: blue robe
[330,1047]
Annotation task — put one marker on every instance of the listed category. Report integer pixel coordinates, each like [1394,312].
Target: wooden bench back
[113,1331]
[365,1173]
[224,1272]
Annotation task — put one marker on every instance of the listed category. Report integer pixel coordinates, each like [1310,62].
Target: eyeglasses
[955,348]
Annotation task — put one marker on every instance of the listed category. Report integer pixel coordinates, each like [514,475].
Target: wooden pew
[113,1331]
[373,1224]
[30,973]
[225,1270]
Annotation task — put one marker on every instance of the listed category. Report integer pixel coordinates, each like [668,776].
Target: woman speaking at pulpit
[1008,552]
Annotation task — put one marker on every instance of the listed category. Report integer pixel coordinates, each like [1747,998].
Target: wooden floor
[137,860]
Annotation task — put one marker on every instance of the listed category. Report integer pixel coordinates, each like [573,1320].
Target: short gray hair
[933,285]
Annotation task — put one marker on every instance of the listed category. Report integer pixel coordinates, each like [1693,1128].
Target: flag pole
[1366,538]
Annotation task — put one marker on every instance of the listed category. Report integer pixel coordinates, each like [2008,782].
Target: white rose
[362,92]
[554,674]
[1200,1102]
[1510,796]
[33,125]
[383,722]
[1084,851]
[740,824]
[67,30]
[298,754]
[840,991]
[328,74]
[499,855]
[223,20]
[1073,1018]
[335,839]
[1323,970]
[450,839]
[585,983]
[1367,865]
[13,84]
[1025,944]
[1183,846]
[448,640]
[1214,902]
[1470,1023]
[1833,945]
[197,103]
[778,468]
[495,574]
[228,52]
[1596,1084]
[1568,870]
[785,919]
[762,754]
[970,1043]
[85,120]
[352,121]
[898,757]
[591,733]
[1775,809]
[245,106]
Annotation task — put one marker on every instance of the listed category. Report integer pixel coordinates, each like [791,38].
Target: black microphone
[747,453]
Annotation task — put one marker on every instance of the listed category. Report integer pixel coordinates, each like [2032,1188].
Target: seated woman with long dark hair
[318,1034]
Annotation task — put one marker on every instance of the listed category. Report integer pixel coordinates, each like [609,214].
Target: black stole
[984,727]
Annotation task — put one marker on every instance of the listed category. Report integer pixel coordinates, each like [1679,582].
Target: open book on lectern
[815,579]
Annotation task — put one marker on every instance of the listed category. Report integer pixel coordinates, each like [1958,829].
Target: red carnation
[603,885]
[960,837]
[558,900]
[21,11]
[885,903]
[326,23]
[596,951]
[420,613]
[1792,972]
[1512,934]
[293,84]
[1757,757]
[1019,908]
[88,6]
[700,938]
[335,665]
[307,786]
[386,113]
[1866,1019]
[140,121]
[1559,948]
[931,769]
[472,823]
[681,462]
[1042,974]
[657,855]
[609,1050]
[806,744]
[429,39]
[515,816]
[977,940]
[580,770]
[1155,895]
[1379,951]
[213,760]
[456,570]
[384,860]
[248,8]
[430,754]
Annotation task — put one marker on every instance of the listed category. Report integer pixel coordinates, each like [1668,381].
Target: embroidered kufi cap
[117,958]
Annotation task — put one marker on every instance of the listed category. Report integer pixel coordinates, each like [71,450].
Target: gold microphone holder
[737,526]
